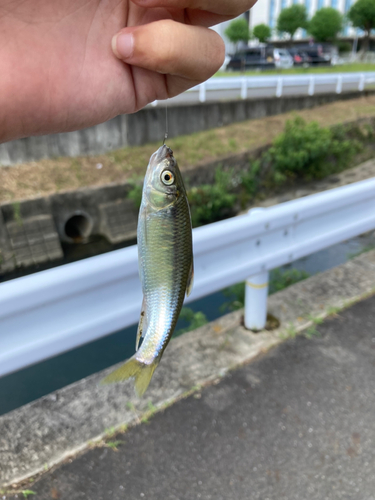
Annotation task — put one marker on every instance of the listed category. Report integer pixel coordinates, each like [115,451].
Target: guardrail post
[202,92]
[311,85]
[244,88]
[279,87]
[361,85]
[339,84]
[256,293]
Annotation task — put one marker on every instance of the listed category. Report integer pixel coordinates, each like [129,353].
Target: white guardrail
[277,85]
[52,311]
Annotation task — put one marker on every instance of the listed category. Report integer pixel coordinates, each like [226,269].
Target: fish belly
[165,255]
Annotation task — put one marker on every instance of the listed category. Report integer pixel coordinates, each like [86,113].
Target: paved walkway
[298,423]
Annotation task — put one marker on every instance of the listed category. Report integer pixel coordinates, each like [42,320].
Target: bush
[211,203]
[135,194]
[193,319]
[250,179]
[282,278]
[343,46]
[308,151]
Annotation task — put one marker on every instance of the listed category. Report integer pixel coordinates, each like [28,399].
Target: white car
[282,59]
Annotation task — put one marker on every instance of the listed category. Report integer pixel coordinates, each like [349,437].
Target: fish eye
[167,177]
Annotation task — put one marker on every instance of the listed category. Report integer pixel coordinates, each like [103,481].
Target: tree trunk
[365,44]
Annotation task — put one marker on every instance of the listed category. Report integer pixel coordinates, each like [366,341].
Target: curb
[45,432]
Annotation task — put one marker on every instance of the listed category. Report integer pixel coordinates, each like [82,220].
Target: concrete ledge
[62,424]
[148,126]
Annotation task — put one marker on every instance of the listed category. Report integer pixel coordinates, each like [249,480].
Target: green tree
[362,15]
[325,24]
[262,32]
[238,31]
[292,18]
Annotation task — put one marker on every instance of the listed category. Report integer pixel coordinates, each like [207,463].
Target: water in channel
[43,378]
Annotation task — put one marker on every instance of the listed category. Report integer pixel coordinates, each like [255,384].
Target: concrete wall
[148,125]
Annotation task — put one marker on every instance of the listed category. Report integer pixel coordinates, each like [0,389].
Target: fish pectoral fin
[190,281]
[141,325]
[142,373]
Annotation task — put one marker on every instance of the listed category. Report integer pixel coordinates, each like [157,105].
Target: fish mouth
[163,153]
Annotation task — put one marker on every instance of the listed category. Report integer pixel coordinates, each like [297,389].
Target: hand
[58,71]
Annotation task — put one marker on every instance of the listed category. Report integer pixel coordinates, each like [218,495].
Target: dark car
[300,57]
[252,58]
[316,54]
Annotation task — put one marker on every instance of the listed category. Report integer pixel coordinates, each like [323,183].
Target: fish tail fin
[142,373]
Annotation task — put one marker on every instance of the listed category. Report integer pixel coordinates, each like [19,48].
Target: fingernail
[123,45]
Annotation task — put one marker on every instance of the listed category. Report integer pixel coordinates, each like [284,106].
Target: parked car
[300,58]
[252,58]
[316,54]
[282,59]
[262,57]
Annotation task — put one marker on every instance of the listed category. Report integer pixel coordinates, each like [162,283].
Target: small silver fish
[165,259]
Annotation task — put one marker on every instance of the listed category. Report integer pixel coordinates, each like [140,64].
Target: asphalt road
[222,95]
[297,424]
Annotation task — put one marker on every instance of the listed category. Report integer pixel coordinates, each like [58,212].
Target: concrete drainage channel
[35,232]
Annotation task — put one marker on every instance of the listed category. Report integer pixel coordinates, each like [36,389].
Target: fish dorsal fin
[142,325]
[190,281]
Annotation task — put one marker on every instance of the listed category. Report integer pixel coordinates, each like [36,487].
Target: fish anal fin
[190,281]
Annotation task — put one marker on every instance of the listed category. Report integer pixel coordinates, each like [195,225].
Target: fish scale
[165,282]
[165,265]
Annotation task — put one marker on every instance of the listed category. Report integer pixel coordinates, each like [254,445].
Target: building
[267,12]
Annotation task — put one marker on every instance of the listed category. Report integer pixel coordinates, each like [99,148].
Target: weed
[113,444]
[316,320]
[146,418]
[282,278]
[233,143]
[365,249]
[311,332]
[130,406]
[110,432]
[151,407]
[332,310]
[194,319]
[27,493]
[17,213]
[289,333]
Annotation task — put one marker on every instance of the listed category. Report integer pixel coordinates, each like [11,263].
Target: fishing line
[166,124]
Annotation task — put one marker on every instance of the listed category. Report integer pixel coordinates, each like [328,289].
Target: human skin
[63,67]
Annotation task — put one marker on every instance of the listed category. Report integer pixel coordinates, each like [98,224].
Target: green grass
[343,68]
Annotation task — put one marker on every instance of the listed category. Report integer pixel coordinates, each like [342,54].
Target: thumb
[171,48]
